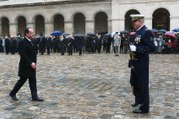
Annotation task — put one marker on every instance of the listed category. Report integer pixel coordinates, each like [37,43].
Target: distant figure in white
[117,43]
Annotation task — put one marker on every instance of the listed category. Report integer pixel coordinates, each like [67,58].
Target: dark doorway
[128,20]
[39,24]
[101,22]
[5,26]
[161,19]
[59,23]
[21,21]
[79,23]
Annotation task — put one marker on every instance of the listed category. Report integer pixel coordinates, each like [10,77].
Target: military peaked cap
[136,17]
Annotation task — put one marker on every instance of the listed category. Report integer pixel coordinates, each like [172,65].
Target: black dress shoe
[13,97]
[37,99]
[134,104]
[139,111]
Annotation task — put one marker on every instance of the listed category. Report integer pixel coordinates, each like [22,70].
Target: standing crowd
[106,43]
[70,44]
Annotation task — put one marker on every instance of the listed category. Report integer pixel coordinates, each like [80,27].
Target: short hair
[26,31]
[142,20]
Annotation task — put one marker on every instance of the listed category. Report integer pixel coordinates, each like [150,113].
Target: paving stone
[170,117]
[177,115]
[106,116]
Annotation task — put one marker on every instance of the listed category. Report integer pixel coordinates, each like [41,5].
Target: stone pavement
[91,86]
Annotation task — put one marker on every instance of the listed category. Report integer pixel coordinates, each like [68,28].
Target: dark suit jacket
[28,54]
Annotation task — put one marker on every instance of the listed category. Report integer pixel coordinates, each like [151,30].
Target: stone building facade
[73,16]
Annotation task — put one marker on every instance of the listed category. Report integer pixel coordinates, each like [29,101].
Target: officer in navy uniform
[142,44]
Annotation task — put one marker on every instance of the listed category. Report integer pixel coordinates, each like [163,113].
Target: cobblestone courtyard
[91,86]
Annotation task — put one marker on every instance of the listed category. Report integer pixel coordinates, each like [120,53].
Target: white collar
[140,27]
[28,39]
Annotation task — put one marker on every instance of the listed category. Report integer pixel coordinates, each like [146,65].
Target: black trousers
[20,83]
[80,51]
[70,50]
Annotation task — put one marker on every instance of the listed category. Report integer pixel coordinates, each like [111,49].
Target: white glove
[133,48]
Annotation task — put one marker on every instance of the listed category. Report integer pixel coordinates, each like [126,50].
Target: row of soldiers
[67,44]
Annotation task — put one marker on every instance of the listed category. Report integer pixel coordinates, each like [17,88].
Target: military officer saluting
[142,44]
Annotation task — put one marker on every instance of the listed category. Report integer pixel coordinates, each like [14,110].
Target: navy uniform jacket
[144,42]
[28,54]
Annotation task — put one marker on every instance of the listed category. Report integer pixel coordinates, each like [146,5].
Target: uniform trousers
[141,87]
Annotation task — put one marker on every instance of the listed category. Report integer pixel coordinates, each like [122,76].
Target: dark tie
[31,43]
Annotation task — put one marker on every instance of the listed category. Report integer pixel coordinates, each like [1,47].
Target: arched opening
[59,22]
[101,23]
[5,26]
[79,23]
[161,19]
[21,24]
[128,20]
[39,24]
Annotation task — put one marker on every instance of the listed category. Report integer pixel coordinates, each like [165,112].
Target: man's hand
[132,48]
[33,65]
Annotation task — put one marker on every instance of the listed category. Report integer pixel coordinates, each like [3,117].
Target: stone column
[13,29]
[148,22]
[0,29]
[48,28]
[89,27]
[109,25]
[30,22]
[174,22]
[68,27]
[31,25]
[117,25]
[121,25]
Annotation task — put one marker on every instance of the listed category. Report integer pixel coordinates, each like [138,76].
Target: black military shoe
[37,99]
[13,97]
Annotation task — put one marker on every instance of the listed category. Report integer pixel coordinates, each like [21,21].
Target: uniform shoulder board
[147,29]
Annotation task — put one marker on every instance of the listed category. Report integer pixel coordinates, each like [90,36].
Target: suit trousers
[20,83]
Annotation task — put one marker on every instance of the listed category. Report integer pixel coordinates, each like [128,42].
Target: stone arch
[5,26]
[39,24]
[101,22]
[161,19]
[21,24]
[79,23]
[128,19]
[58,21]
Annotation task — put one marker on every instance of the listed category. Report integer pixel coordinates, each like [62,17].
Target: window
[3,0]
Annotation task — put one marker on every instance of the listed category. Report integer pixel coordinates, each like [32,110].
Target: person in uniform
[27,66]
[142,44]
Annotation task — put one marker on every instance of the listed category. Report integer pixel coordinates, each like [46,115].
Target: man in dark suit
[142,44]
[27,66]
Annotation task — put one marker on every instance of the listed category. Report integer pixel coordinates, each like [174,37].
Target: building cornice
[51,3]
[146,1]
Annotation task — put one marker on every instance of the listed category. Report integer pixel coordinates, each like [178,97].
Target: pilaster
[48,28]
[13,29]
[89,26]
[68,27]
